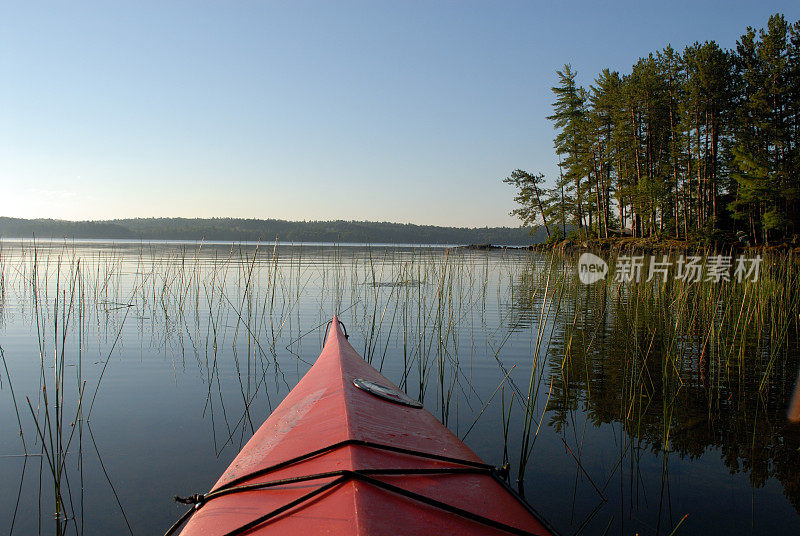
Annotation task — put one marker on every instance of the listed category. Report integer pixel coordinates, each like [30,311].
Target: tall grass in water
[230,311]
[671,358]
[714,333]
[58,292]
[717,334]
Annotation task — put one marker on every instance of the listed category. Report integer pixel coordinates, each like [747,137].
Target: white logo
[591,268]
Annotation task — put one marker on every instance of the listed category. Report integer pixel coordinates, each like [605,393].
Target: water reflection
[617,358]
[602,397]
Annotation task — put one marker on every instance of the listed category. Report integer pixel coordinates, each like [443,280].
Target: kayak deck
[334,458]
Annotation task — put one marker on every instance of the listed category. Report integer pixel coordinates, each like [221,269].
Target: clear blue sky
[399,111]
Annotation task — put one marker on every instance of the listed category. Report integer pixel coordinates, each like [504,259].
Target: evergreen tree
[531,198]
[708,93]
[604,101]
[700,143]
[571,144]
[765,178]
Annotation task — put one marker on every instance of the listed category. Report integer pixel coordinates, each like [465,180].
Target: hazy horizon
[356,111]
[515,224]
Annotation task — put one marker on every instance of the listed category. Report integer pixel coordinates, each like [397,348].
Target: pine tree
[571,144]
[531,198]
[762,154]
[675,209]
[604,100]
[703,143]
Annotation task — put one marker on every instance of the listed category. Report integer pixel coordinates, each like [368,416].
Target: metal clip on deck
[328,326]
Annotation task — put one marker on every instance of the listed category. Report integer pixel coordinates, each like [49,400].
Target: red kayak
[347,452]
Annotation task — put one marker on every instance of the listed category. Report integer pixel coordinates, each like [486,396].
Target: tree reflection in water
[683,369]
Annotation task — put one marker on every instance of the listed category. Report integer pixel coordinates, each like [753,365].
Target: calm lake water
[144,367]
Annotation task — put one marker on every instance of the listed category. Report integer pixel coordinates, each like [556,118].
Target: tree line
[699,143]
[241,229]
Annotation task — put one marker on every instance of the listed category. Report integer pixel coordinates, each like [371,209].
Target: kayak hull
[379,467]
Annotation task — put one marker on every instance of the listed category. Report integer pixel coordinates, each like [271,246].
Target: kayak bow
[347,452]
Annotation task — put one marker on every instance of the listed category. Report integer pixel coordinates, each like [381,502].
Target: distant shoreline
[639,245]
[202,242]
[241,230]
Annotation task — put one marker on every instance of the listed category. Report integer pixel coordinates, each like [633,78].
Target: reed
[674,342]
[427,319]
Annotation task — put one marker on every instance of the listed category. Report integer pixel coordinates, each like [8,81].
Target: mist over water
[139,370]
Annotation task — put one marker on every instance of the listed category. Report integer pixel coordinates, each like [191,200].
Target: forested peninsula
[699,145]
[236,229]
